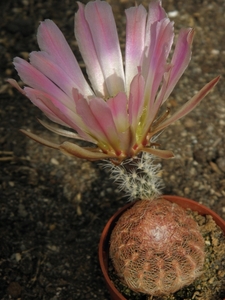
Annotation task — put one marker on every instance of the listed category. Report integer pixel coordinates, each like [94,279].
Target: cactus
[139,177]
[157,248]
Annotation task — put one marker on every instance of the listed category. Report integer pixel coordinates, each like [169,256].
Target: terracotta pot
[105,237]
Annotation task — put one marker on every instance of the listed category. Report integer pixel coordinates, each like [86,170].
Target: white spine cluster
[139,177]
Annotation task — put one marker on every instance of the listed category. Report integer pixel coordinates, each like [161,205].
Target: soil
[53,208]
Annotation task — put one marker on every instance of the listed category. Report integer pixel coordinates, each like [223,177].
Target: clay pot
[105,237]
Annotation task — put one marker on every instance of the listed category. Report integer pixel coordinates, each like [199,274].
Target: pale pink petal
[104,117]
[34,78]
[93,128]
[136,100]
[154,65]
[61,131]
[52,41]
[161,41]
[135,42]
[155,13]
[102,25]
[15,84]
[42,61]
[180,59]
[87,49]
[57,112]
[158,42]
[118,107]
[35,98]
[188,106]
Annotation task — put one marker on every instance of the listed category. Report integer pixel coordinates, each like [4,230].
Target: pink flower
[118,113]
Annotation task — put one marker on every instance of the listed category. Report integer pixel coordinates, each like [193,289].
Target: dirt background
[53,208]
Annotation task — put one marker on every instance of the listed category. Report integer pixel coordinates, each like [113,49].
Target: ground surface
[52,208]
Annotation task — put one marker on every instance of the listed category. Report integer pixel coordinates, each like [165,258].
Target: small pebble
[221,163]
[215,52]
[187,190]
[54,161]
[210,281]
[173,14]
[18,256]
[189,123]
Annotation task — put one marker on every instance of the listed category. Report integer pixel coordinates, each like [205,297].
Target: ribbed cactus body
[157,248]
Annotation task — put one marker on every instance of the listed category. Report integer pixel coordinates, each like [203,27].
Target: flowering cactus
[118,113]
[155,247]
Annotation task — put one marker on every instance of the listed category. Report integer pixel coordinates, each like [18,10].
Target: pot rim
[106,233]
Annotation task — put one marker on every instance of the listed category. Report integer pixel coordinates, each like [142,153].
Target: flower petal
[118,108]
[155,14]
[39,139]
[42,61]
[81,152]
[165,154]
[87,49]
[154,65]
[15,84]
[60,131]
[188,106]
[104,117]
[161,42]
[57,112]
[35,97]
[102,26]
[136,100]
[52,41]
[180,60]
[91,121]
[135,42]
[34,78]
